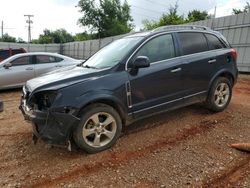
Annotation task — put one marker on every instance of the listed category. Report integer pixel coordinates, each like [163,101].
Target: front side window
[158,49]
[21,61]
[192,43]
[40,59]
[214,42]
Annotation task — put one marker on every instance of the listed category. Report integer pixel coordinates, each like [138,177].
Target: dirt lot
[188,147]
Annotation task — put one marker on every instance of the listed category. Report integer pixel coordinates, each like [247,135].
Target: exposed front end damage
[52,124]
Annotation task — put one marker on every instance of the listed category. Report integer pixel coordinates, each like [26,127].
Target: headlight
[44,100]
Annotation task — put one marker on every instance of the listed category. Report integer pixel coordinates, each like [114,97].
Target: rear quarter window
[214,42]
[192,42]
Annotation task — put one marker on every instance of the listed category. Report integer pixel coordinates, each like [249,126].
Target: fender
[101,95]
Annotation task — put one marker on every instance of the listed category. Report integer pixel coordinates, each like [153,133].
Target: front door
[20,71]
[159,85]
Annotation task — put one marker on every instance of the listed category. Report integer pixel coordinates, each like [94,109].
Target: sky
[56,14]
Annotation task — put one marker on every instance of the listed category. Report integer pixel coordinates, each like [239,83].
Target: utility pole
[29,22]
[2,29]
[215,9]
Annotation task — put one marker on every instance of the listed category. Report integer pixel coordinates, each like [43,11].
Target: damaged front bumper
[53,127]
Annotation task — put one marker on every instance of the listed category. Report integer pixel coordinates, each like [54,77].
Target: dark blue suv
[129,79]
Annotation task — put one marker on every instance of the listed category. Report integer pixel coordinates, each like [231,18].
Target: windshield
[112,54]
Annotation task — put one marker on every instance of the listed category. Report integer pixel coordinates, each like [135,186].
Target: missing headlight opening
[45,100]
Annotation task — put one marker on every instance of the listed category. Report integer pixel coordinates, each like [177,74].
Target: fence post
[90,48]
[61,48]
[84,57]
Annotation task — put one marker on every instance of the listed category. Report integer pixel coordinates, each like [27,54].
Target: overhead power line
[157,3]
[150,17]
[149,10]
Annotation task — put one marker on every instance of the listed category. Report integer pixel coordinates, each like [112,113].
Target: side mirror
[7,65]
[141,62]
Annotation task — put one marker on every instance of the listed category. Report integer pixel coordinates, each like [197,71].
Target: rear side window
[214,42]
[192,43]
[40,59]
[21,61]
[158,49]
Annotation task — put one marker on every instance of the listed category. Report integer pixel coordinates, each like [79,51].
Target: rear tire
[219,95]
[99,128]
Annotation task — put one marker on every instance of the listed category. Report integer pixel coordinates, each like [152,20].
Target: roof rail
[182,27]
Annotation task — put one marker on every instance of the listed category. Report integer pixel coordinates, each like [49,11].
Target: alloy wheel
[99,129]
[221,95]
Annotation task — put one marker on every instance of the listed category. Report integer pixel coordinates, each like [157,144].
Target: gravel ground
[188,147]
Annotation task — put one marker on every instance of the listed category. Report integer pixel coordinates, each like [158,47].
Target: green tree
[20,40]
[150,25]
[58,36]
[245,10]
[7,38]
[83,36]
[109,18]
[196,15]
[171,18]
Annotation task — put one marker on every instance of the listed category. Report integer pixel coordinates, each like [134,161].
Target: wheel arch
[223,73]
[108,100]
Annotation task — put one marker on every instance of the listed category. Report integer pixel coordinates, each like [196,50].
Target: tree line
[111,17]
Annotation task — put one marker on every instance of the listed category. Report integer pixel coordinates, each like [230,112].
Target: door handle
[29,68]
[212,61]
[58,66]
[176,70]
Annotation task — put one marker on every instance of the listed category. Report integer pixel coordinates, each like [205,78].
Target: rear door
[160,84]
[199,62]
[21,70]
[46,63]
[219,51]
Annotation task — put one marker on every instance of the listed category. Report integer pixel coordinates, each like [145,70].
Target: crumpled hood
[61,78]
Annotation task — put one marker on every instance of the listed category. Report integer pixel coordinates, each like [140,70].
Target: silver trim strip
[188,96]
[128,94]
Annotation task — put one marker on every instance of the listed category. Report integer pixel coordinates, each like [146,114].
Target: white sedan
[17,69]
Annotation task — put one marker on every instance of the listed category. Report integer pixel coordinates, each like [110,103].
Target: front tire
[220,95]
[99,129]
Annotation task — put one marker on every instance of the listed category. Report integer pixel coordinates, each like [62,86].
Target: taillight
[234,54]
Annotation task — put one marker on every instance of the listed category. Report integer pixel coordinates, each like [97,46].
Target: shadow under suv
[131,78]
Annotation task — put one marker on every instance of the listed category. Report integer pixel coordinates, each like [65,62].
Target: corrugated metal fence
[54,48]
[235,28]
